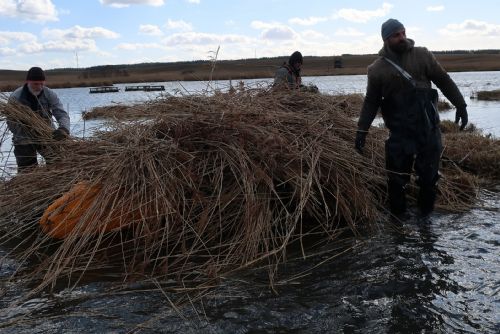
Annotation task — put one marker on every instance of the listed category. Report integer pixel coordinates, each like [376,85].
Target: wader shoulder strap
[405,74]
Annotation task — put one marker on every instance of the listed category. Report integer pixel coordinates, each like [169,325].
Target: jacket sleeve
[442,80]
[58,111]
[371,103]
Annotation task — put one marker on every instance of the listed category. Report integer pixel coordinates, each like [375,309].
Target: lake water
[442,276]
[485,114]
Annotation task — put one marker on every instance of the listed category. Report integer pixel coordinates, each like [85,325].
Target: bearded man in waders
[288,75]
[399,82]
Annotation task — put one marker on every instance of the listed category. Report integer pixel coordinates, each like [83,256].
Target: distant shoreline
[232,70]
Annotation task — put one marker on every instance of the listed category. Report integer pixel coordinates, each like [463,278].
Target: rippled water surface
[435,276]
[440,275]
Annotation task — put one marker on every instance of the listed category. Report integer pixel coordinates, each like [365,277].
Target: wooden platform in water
[146,88]
[104,89]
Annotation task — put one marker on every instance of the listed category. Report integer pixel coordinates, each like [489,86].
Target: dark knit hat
[35,74]
[390,27]
[295,57]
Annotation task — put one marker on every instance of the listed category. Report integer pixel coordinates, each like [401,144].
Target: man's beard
[399,47]
[35,92]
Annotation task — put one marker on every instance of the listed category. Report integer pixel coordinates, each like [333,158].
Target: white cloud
[471,28]
[138,46]
[8,8]
[349,32]
[71,45]
[78,32]
[59,45]
[194,38]
[7,51]
[308,21]
[126,3]
[439,8]
[30,10]
[362,16]
[178,25]
[279,33]
[150,29]
[31,47]
[313,35]
[262,25]
[7,36]
[274,31]
[193,1]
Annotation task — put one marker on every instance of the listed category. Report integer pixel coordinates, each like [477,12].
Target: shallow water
[435,276]
[439,276]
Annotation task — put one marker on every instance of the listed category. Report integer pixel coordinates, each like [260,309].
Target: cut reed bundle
[214,183]
[206,185]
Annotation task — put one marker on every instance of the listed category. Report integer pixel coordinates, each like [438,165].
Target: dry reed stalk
[491,95]
[220,182]
[34,125]
[474,153]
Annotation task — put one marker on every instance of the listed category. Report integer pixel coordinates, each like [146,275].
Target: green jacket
[384,80]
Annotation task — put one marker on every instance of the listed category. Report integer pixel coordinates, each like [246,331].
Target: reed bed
[211,184]
[488,95]
[193,187]
[474,152]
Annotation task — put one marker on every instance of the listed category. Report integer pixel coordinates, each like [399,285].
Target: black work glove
[359,142]
[462,114]
[60,134]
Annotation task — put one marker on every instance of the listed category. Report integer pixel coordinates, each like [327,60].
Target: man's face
[36,87]
[397,42]
[297,65]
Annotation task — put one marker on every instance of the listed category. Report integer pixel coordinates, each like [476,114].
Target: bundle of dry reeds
[472,151]
[206,185]
[19,115]
[211,184]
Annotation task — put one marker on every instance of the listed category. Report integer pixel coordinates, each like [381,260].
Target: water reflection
[437,276]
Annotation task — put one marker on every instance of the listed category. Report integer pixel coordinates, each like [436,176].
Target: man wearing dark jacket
[288,75]
[44,102]
[399,83]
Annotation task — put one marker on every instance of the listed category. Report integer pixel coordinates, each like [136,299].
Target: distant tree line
[121,70]
[489,51]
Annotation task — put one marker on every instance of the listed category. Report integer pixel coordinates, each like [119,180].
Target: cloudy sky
[83,33]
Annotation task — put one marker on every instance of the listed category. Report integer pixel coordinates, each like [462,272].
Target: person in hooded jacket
[288,75]
[409,108]
[44,102]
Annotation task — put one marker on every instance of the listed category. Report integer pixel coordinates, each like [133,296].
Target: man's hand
[461,114]
[60,134]
[359,142]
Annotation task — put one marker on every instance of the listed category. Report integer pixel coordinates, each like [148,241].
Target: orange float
[71,211]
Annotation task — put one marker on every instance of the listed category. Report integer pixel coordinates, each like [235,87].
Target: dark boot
[426,199]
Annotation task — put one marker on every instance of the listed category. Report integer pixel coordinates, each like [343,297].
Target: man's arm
[443,81]
[369,110]
[58,111]
[371,103]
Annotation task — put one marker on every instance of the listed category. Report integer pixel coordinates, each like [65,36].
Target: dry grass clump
[444,105]
[210,189]
[207,185]
[470,150]
[488,95]
[238,100]
[474,153]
